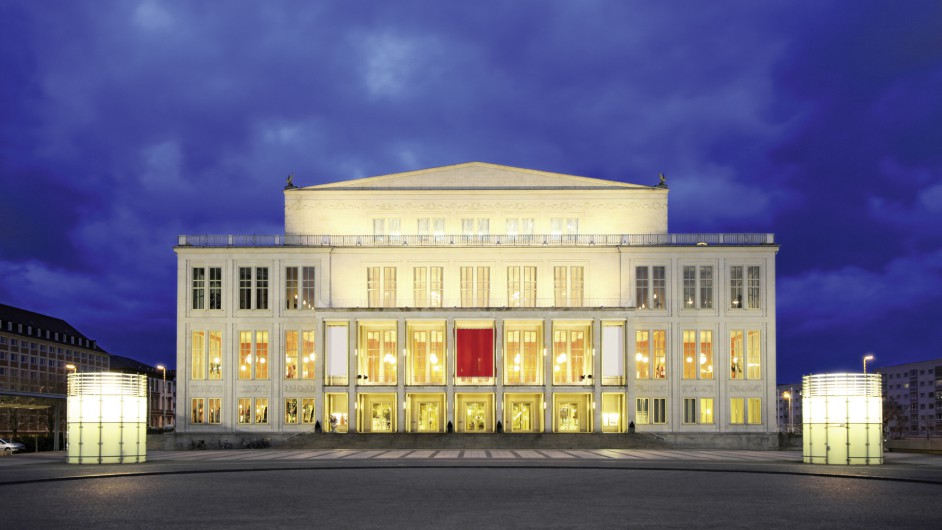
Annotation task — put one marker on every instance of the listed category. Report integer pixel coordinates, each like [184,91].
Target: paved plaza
[603,488]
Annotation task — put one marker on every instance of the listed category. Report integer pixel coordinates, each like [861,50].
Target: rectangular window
[300,289]
[474,355]
[737,411]
[749,351]
[381,286]
[706,411]
[215,354]
[613,354]
[197,414]
[199,288]
[521,286]
[475,286]
[377,360]
[198,349]
[698,354]
[613,412]
[568,286]
[215,288]
[389,287]
[307,411]
[426,355]
[690,410]
[245,287]
[750,283]
[523,355]
[253,355]
[261,410]
[754,411]
[698,288]
[291,354]
[261,288]
[642,411]
[214,410]
[752,287]
[427,286]
[650,287]
[660,410]
[393,224]
[475,227]
[291,411]
[572,359]
[336,346]
[642,355]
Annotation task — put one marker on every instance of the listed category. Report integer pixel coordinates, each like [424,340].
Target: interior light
[638,357]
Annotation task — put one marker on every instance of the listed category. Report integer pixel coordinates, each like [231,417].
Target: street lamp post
[868,357]
[163,406]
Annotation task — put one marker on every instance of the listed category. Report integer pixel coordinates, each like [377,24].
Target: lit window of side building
[477,298]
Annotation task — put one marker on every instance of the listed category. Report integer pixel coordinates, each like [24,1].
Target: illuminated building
[35,350]
[484,297]
[913,393]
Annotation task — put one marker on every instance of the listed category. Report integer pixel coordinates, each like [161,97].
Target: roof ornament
[290,184]
[663,180]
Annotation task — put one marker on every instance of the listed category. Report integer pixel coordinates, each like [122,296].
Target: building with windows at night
[477,298]
[913,396]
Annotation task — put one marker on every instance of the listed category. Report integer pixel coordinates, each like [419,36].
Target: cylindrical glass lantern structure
[842,418]
[107,417]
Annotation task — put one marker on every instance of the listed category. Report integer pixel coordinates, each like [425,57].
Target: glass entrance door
[475,416]
[521,417]
[569,417]
[429,417]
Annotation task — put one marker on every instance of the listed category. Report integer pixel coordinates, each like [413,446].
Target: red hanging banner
[475,352]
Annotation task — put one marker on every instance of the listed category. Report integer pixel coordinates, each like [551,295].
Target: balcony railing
[581,240]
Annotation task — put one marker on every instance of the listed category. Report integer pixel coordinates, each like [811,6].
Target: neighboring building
[789,407]
[913,396]
[474,295]
[161,391]
[35,350]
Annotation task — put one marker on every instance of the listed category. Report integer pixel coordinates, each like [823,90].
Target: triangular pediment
[476,175]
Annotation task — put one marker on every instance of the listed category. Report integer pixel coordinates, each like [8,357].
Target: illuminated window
[650,287]
[523,354]
[300,289]
[519,226]
[750,283]
[299,354]
[425,412]
[474,412]
[564,226]
[426,354]
[384,227]
[698,354]
[307,410]
[523,412]
[737,411]
[214,410]
[197,415]
[253,355]
[613,412]
[291,410]
[376,413]
[337,412]
[698,287]
[475,286]
[754,411]
[245,410]
[200,290]
[427,286]
[475,227]
[568,286]
[572,412]
[377,360]
[521,286]
[572,360]
[249,284]
[749,350]
[706,410]
[261,410]
[642,411]
[198,349]
[381,286]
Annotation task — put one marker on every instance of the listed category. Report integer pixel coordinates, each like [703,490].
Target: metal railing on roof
[535,240]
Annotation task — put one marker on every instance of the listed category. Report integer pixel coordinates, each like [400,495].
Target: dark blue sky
[126,123]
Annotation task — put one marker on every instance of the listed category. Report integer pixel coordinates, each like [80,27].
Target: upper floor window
[523,357]
[476,226]
[568,226]
[206,354]
[387,227]
[650,287]
[299,343]
[568,286]
[475,286]
[572,358]
[200,291]
[650,354]
[698,354]
[698,287]
[431,226]
[299,288]
[377,361]
[249,285]
[744,287]
[520,226]
[253,355]
[427,286]
[381,286]
[745,349]
[521,286]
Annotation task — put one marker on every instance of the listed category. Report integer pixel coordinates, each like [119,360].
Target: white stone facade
[572,276]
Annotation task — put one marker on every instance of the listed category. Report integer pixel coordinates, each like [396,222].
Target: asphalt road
[474,494]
